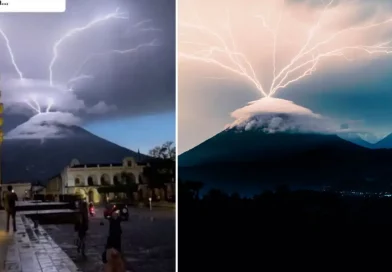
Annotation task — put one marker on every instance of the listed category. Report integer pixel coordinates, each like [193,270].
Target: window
[129,163]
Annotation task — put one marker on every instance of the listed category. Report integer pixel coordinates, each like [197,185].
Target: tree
[194,187]
[159,172]
[166,151]
[128,189]
[127,178]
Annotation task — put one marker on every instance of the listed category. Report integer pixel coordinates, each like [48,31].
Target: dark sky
[131,86]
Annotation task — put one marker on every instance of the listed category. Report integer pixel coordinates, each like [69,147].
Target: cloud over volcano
[279,115]
[115,61]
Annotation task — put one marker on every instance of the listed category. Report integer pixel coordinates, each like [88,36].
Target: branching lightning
[32,101]
[74,31]
[11,53]
[77,76]
[219,49]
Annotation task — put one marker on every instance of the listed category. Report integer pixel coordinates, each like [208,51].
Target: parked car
[123,208]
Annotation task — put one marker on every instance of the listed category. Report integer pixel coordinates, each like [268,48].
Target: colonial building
[85,179]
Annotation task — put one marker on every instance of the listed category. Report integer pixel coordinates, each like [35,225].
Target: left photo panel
[88,136]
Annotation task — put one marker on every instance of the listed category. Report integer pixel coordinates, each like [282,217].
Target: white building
[85,179]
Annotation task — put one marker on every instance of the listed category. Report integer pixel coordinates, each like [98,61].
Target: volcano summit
[274,141]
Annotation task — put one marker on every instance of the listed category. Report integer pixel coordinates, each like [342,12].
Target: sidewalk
[33,250]
[5,239]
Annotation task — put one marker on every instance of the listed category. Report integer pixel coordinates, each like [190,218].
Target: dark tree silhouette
[166,151]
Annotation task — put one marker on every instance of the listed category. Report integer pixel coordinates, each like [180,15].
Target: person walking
[10,199]
[81,227]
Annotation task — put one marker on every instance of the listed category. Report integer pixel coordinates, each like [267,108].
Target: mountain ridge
[34,159]
[254,159]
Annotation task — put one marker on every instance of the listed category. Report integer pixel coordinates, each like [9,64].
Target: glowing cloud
[271,105]
[273,44]
[39,96]
[279,115]
[45,125]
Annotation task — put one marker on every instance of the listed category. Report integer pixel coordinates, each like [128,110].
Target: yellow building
[85,179]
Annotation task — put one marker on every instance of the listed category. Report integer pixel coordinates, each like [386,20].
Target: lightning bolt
[34,108]
[142,23]
[50,104]
[11,53]
[32,101]
[220,50]
[77,78]
[74,31]
[77,75]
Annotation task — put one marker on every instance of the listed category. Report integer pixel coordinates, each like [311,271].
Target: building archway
[92,180]
[105,180]
[79,181]
[117,179]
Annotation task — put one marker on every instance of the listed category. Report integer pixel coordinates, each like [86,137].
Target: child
[114,261]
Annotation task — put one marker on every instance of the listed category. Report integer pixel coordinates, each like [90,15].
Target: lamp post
[149,200]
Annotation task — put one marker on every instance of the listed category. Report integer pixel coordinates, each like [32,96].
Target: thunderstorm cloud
[49,70]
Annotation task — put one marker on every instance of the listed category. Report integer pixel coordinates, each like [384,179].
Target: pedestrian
[10,199]
[81,226]
[112,257]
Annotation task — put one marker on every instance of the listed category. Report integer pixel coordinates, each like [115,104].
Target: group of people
[111,256]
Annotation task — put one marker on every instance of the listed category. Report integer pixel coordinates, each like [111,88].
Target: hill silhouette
[34,159]
[252,158]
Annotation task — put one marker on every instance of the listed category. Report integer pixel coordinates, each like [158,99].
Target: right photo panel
[283,126]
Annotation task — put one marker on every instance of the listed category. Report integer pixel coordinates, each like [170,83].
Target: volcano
[271,148]
[37,160]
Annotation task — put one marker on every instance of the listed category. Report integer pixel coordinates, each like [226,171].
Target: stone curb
[33,250]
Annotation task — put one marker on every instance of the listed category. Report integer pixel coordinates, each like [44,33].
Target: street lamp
[149,200]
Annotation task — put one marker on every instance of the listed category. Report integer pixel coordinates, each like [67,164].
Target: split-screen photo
[194,135]
[283,133]
[88,140]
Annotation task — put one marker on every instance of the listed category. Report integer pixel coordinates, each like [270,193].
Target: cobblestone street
[148,241]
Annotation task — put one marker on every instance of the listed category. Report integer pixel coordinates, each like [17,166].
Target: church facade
[85,179]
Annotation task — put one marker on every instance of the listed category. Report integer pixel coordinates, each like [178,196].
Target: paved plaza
[148,241]
[148,244]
